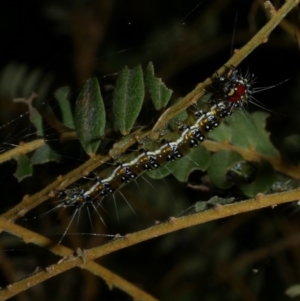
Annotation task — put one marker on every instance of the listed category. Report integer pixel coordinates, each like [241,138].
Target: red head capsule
[237,93]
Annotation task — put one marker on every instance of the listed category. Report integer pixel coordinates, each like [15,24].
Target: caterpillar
[229,93]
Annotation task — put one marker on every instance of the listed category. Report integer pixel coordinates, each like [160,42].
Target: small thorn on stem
[259,196]
[172,219]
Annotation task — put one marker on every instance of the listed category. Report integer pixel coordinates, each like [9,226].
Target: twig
[21,149]
[110,278]
[251,155]
[260,38]
[172,225]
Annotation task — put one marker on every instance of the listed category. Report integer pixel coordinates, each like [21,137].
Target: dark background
[49,44]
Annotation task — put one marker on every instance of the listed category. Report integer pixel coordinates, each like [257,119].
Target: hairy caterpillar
[229,93]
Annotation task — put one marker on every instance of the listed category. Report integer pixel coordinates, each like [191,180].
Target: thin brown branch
[173,224]
[286,25]
[21,149]
[260,38]
[251,155]
[110,278]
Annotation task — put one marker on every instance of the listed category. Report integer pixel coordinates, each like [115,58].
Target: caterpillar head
[233,88]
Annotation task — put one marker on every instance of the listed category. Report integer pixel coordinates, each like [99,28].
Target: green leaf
[128,98]
[293,291]
[160,94]
[37,120]
[24,168]
[201,206]
[32,81]
[34,115]
[61,96]
[197,159]
[222,133]
[45,154]
[204,99]
[159,173]
[220,162]
[215,200]
[180,117]
[265,178]
[212,202]
[90,116]
[246,131]
[252,134]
